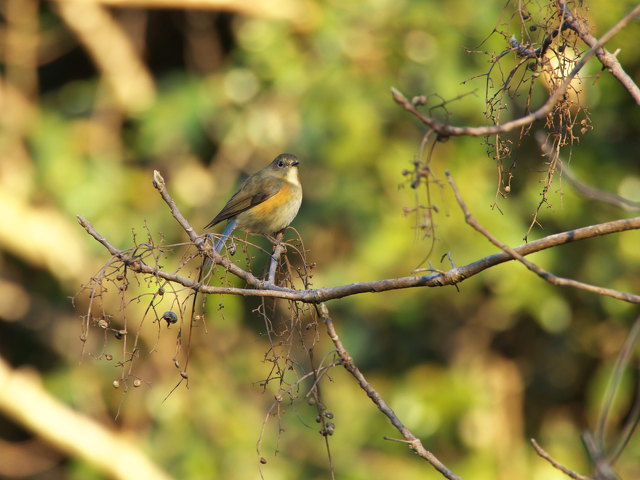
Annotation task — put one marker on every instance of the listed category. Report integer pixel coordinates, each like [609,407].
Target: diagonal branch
[347,362]
[608,59]
[570,473]
[633,416]
[549,277]
[160,185]
[582,188]
[24,399]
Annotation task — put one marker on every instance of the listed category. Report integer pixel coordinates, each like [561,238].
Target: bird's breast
[275,213]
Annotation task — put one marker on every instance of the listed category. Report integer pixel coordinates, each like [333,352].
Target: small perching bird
[266,202]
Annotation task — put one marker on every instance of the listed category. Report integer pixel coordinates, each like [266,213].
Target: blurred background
[96,95]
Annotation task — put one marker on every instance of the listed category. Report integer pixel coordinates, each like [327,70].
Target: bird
[266,202]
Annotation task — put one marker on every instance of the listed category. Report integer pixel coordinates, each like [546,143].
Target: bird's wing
[244,199]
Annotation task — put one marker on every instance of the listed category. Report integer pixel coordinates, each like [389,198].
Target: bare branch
[602,465]
[347,362]
[445,130]
[453,276]
[135,263]
[549,277]
[570,473]
[160,185]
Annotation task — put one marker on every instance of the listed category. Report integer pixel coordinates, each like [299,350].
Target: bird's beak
[295,163]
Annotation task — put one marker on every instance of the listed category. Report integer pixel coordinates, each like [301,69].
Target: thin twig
[316,393]
[570,473]
[347,362]
[581,187]
[549,277]
[278,398]
[160,185]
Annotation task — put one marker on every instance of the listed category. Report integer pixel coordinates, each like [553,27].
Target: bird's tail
[225,235]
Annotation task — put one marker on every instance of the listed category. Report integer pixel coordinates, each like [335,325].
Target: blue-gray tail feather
[225,235]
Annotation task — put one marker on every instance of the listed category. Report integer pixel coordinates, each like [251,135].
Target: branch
[453,276]
[540,451]
[549,277]
[602,466]
[608,59]
[136,264]
[161,186]
[347,362]
[262,288]
[445,130]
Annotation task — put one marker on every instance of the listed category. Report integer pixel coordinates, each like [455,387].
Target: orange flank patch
[269,205]
[273,214]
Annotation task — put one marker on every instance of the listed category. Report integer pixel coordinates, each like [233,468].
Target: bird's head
[285,165]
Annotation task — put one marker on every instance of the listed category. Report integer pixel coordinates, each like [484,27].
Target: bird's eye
[280,163]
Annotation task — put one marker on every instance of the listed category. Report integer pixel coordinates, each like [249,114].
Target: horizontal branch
[453,276]
[265,288]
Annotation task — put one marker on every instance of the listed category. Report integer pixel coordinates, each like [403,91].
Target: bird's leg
[278,248]
[208,263]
